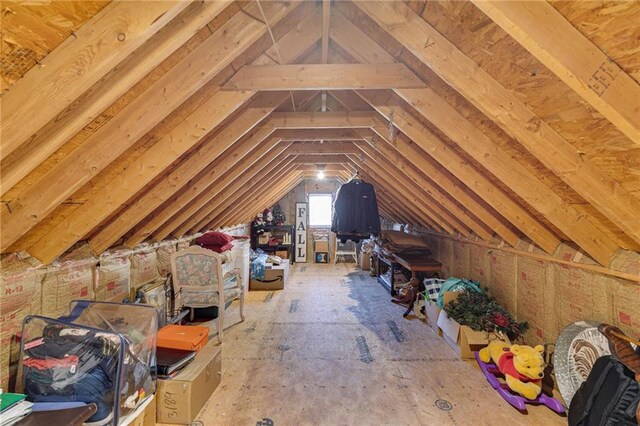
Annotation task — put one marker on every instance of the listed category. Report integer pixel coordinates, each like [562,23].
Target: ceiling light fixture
[320,172]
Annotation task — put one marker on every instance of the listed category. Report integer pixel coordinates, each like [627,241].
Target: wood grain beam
[343,33]
[250,198]
[428,191]
[296,135]
[323,77]
[111,87]
[487,190]
[235,163]
[327,167]
[241,175]
[79,62]
[490,97]
[324,120]
[562,48]
[52,188]
[423,205]
[320,159]
[324,148]
[361,47]
[326,23]
[186,171]
[227,194]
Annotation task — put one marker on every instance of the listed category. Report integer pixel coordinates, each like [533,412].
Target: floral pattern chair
[201,279]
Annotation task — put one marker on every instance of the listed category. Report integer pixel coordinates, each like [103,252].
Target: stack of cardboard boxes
[180,399]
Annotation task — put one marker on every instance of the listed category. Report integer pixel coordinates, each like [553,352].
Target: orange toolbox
[186,337]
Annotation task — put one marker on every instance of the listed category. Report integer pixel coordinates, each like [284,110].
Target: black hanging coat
[355,211]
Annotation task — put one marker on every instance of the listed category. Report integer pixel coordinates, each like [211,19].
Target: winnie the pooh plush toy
[522,366]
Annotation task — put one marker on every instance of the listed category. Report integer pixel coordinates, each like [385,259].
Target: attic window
[320,209]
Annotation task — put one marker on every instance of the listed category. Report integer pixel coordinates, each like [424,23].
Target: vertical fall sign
[301,232]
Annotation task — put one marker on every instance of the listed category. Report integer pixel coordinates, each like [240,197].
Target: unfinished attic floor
[330,349]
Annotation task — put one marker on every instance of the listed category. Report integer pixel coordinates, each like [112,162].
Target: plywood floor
[331,349]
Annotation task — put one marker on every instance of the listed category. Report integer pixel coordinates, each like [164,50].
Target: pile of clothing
[69,364]
[101,353]
[215,241]
[82,365]
[401,242]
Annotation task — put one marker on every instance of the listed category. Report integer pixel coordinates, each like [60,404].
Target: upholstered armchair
[202,279]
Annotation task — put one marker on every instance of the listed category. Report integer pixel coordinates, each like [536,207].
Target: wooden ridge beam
[79,62]
[553,40]
[51,189]
[326,23]
[314,168]
[323,77]
[490,97]
[111,87]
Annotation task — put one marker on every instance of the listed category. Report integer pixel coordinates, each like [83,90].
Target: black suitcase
[609,396]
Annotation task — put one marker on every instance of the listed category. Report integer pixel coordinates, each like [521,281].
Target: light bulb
[320,174]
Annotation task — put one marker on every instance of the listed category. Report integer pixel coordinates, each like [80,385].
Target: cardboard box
[321,245]
[146,416]
[186,337]
[432,313]
[365,261]
[283,254]
[462,339]
[273,280]
[284,266]
[179,400]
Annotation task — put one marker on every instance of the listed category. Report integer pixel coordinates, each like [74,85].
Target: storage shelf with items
[391,274]
[273,239]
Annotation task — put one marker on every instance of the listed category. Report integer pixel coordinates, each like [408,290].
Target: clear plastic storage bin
[102,353]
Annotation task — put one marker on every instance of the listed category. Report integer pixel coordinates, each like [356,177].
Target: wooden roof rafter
[490,97]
